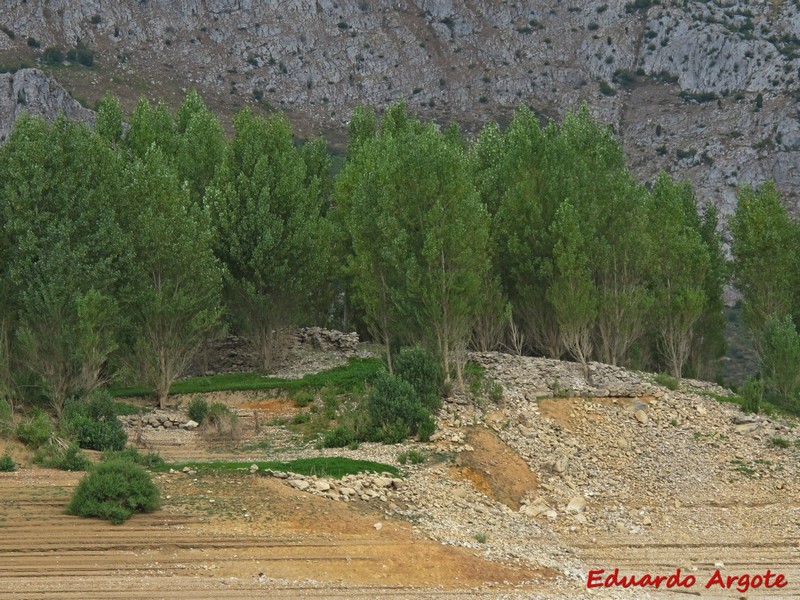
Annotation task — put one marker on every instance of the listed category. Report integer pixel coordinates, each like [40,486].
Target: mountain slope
[735,64]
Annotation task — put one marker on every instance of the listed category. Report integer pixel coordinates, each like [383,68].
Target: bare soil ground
[237,535]
[234,533]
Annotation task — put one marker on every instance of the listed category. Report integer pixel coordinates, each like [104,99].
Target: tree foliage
[65,252]
[174,296]
[765,251]
[271,233]
[419,237]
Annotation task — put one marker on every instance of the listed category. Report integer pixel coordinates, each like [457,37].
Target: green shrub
[53,56]
[330,403]
[7,464]
[426,427]
[151,460]
[340,437]
[780,442]
[198,409]
[417,367]
[606,89]
[667,381]
[303,398]
[114,490]
[36,431]
[752,394]
[221,421]
[300,418]
[393,407]
[393,433]
[94,424]
[65,459]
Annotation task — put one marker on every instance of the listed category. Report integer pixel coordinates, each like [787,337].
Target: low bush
[395,410]
[36,431]
[667,381]
[340,437]
[412,456]
[417,367]
[114,490]
[70,458]
[303,398]
[94,424]
[7,464]
[198,409]
[221,421]
[752,395]
[151,460]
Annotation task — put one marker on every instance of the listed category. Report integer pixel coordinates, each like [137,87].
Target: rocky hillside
[560,474]
[703,89]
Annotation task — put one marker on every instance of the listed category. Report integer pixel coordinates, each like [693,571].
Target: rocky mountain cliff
[707,90]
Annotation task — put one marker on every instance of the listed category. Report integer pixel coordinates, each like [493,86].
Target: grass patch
[780,442]
[349,378]
[667,381]
[336,467]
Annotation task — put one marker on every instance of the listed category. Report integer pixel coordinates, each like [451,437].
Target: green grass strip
[335,467]
[347,378]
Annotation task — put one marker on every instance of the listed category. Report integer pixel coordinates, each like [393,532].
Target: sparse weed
[412,456]
[667,381]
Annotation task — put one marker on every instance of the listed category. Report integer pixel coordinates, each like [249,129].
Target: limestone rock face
[33,92]
[703,90]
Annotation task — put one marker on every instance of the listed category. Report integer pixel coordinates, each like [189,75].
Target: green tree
[151,125]
[271,234]
[573,293]
[200,145]
[109,119]
[66,253]
[175,298]
[781,356]
[420,238]
[765,257]
[709,335]
[680,263]
[522,244]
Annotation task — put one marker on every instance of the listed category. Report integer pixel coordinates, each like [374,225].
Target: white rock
[576,505]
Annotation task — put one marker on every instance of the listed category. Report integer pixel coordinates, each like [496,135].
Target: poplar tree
[679,266]
[65,253]
[174,301]
[764,245]
[271,233]
[419,236]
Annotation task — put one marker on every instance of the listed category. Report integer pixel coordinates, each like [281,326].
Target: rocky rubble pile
[619,455]
[529,378]
[303,353]
[363,486]
[327,339]
[159,419]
